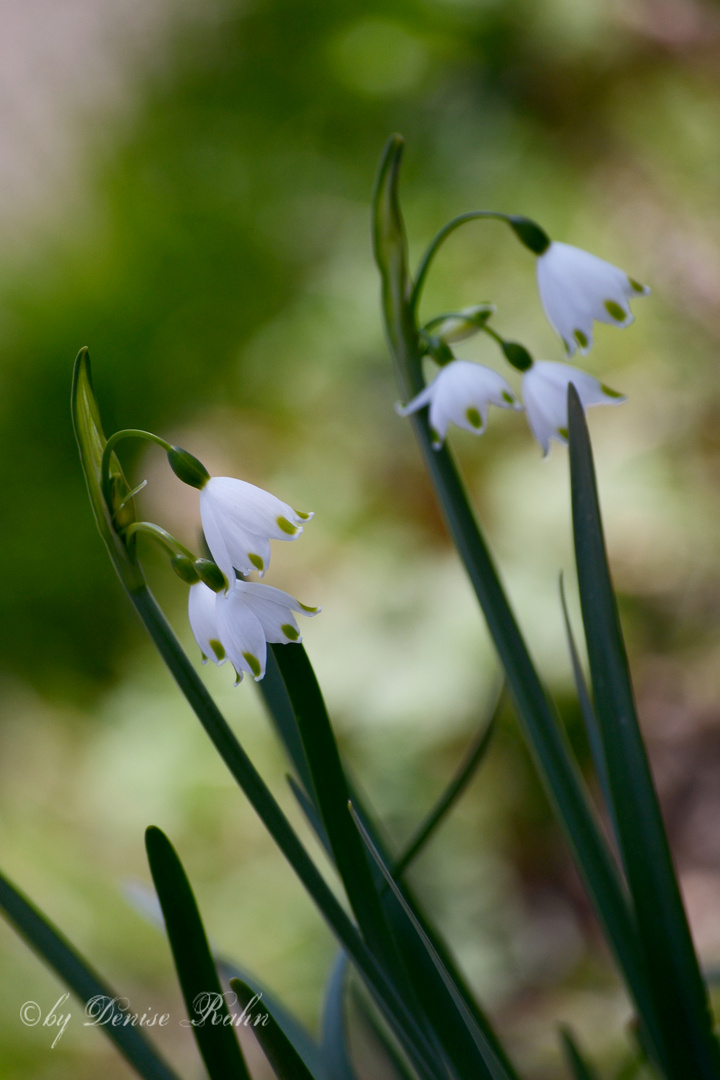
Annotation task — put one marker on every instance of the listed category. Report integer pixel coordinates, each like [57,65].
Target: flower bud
[187,468]
[210,574]
[528,233]
[464,324]
[517,355]
[185,569]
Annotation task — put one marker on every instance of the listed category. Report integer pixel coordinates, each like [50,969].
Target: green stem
[126,433]
[165,539]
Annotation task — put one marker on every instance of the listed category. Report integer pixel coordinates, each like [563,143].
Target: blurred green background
[185,189]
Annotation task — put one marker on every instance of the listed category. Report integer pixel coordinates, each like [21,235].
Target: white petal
[417,402]
[576,288]
[461,393]
[242,634]
[274,608]
[239,519]
[203,623]
[545,396]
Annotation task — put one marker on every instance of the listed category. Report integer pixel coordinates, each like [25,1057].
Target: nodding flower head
[239,520]
[461,392]
[576,288]
[237,625]
[544,390]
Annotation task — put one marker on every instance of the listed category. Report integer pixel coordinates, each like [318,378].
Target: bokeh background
[184,188]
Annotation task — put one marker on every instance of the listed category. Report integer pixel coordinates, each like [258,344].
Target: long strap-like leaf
[77,974]
[207,1008]
[677,984]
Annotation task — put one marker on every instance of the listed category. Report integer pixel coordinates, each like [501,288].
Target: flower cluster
[576,289]
[236,621]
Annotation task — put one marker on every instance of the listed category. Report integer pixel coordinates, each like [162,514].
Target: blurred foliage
[218,266]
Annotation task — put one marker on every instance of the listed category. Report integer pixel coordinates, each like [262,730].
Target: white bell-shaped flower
[237,625]
[239,520]
[576,288]
[461,392]
[544,390]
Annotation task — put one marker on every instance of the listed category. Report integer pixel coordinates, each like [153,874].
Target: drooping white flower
[544,390]
[577,287]
[239,520]
[461,392]
[237,625]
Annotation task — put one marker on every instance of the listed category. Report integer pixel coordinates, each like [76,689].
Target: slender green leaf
[491,1065]
[280,1052]
[77,974]
[543,732]
[393,1061]
[304,1044]
[677,984]
[334,1025]
[206,1004]
[278,704]
[592,729]
[311,813]
[450,795]
[579,1067]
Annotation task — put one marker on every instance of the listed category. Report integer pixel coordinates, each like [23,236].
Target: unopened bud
[464,324]
[211,574]
[185,569]
[187,468]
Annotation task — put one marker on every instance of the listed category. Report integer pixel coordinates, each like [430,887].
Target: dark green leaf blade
[579,1067]
[77,974]
[280,1052]
[677,985]
[194,964]
[305,1045]
[334,1024]
[472,761]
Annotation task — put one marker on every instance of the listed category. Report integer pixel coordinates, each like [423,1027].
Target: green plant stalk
[91,444]
[545,737]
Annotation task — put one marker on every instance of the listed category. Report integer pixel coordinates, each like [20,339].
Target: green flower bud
[528,233]
[210,574]
[517,355]
[463,324]
[185,569]
[187,468]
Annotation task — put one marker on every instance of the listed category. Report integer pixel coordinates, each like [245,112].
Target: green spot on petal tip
[615,311]
[256,561]
[290,632]
[637,287]
[302,516]
[217,648]
[609,392]
[508,398]
[563,432]
[310,610]
[474,418]
[581,338]
[286,526]
[253,663]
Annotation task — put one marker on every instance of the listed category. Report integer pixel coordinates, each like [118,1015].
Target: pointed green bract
[91,444]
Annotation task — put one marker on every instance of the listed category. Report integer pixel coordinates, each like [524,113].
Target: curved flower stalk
[461,393]
[544,390]
[237,625]
[577,288]
[240,519]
